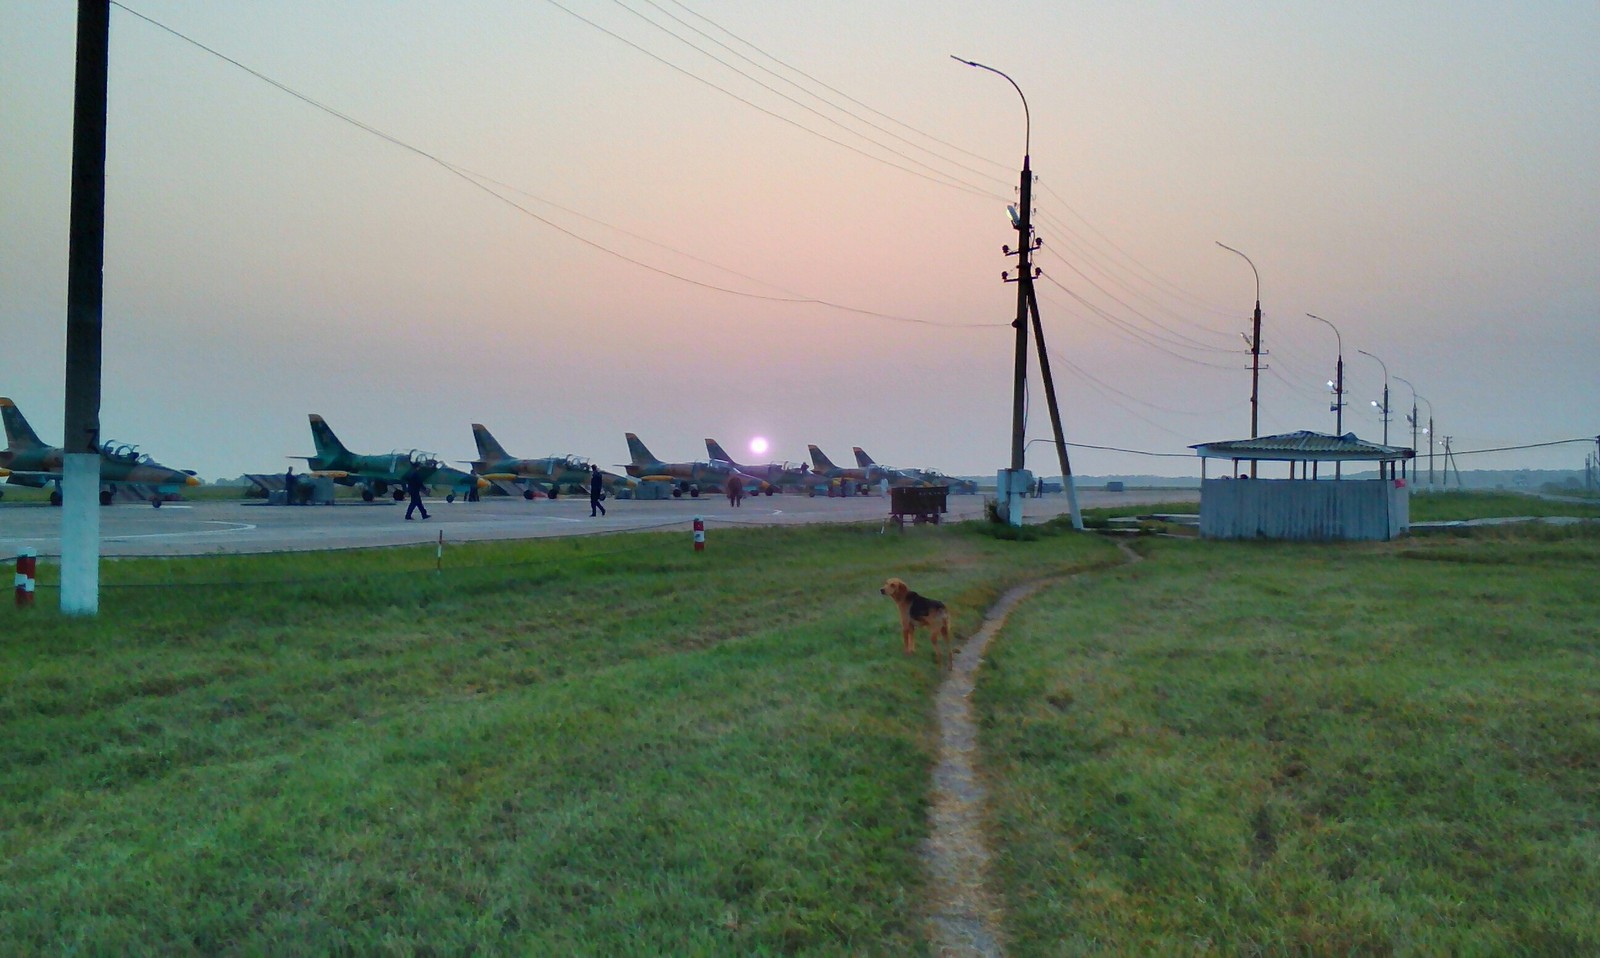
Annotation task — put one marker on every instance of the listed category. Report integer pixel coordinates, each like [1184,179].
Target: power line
[995,163]
[948,181]
[468,177]
[774,74]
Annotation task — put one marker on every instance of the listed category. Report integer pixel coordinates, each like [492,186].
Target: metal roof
[1303,446]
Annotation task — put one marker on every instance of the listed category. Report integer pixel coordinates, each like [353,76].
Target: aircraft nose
[191,480]
[482,483]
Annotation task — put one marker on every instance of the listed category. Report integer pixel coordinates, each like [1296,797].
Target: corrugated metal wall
[1315,510]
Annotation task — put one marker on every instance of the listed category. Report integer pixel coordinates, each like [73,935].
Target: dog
[919,610]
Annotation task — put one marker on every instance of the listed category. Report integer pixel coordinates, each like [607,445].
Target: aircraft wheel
[450,497]
[694,493]
[399,495]
[367,496]
[769,492]
[155,502]
[677,493]
[553,491]
[528,493]
[55,497]
[105,497]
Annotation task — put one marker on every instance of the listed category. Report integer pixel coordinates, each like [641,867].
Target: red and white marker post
[699,534]
[27,568]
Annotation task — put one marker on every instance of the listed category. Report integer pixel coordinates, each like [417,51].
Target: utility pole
[1255,356]
[1338,387]
[1028,303]
[80,470]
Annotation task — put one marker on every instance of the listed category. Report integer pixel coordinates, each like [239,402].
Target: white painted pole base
[80,534]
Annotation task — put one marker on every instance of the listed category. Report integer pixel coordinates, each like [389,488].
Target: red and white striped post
[27,568]
[699,534]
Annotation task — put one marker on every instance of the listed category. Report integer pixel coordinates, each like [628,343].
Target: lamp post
[1021,218]
[1385,407]
[1255,353]
[1338,382]
[1427,430]
[1338,388]
[1024,226]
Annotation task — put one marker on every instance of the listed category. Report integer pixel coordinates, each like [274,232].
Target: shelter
[1308,506]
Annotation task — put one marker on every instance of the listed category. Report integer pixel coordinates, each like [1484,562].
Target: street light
[1255,353]
[1024,272]
[1385,407]
[1338,383]
[1415,423]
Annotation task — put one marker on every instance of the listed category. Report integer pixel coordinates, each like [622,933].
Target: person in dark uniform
[414,489]
[735,491]
[597,491]
[289,490]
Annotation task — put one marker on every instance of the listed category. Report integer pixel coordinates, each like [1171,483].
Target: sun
[758,445]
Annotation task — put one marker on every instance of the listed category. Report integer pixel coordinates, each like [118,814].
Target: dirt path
[964,916]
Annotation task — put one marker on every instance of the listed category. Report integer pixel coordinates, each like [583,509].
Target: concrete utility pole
[80,470]
[1027,303]
[1338,388]
[1385,407]
[1255,355]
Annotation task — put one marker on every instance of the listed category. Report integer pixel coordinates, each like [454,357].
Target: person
[289,490]
[597,492]
[735,490]
[414,489]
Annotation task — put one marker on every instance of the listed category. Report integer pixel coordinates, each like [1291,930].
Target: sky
[562,220]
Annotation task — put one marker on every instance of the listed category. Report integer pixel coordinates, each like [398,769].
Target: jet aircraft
[686,477]
[375,474]
[777,475]
[877,473]
[27,461]
[547,475]
[844,475]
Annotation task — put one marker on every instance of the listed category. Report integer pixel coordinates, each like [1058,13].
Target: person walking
[597,492]
[289,490]
[414,489]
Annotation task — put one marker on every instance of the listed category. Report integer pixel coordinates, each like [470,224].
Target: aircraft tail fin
[714,450]
[489,450]
[328,445]
[638,453]
[819,461]
[862,459]
[19,435]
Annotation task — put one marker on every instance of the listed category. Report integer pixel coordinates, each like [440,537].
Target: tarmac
[252,526]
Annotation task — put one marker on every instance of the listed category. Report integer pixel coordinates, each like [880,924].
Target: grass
[1456,506]
[606,746]
[616,746]
[1277,749]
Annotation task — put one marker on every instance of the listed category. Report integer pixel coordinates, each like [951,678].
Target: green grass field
[614,746]
[606,746]
[1277,749]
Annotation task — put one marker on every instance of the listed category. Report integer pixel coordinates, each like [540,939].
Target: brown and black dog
[919,610]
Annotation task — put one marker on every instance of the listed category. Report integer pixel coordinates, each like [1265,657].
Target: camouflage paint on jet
[28,461]
[778,475]
[376,474]
[547,474]
[690,477]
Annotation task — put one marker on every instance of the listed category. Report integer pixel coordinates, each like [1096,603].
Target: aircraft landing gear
[55,497]
[528,494]
[399,495]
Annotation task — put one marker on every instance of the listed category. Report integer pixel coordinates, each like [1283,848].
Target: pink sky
[1422,175]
